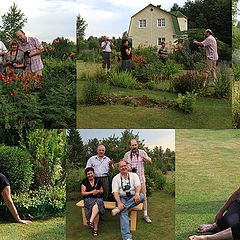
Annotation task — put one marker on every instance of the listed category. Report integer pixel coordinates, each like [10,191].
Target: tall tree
[81,26]
[75,149]
[12,21]
[175,7]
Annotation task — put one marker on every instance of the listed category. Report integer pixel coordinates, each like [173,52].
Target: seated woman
[14,59]
[227,221]
[92,190]
[5,191]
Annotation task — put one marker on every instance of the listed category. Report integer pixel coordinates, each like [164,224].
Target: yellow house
[152,25]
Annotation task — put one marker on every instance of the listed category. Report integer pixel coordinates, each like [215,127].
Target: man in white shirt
[3,51]
[101,165]
[106,51]
[210,45]
[126,188]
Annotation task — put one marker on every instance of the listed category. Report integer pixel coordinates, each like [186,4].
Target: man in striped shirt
[32,49]
[136,159]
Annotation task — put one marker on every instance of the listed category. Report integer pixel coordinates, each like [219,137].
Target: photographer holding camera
[32,49]
[106,46]
[126,188]
[14,59]
[135,159]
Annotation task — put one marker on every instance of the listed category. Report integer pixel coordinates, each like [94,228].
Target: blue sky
[48,19]
[151,137]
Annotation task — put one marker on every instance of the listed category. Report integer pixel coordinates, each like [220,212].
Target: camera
[126,188]
[26,54]
[134,170]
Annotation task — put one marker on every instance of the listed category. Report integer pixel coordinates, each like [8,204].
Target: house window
[161,22]
[160,39]
[142,23]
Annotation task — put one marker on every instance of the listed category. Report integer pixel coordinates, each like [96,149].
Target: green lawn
[161,210]
[207,172]
[38,230]
[208,113]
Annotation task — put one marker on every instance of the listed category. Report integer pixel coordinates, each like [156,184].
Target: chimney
[159,6]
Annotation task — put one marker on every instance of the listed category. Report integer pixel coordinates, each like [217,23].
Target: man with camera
[32,49]
[126,188]
[101,165]
[106,52]
[136,159]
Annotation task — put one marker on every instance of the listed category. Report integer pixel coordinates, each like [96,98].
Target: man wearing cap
[210,44]
[106,51]
[101,165]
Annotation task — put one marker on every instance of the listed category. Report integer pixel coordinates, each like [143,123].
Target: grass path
[38,230]
[161,210]
[207,172]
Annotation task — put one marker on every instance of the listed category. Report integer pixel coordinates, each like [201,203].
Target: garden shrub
[95,92]
[42,203]
[236,71]
[159,181]
[170,186]
[16,165]
[74,178]
[191,81]
[170,68]
[222,85]
[151,85]
[122,79]
[90,55]
[186,102]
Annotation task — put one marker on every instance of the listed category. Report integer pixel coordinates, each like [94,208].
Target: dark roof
[178,14]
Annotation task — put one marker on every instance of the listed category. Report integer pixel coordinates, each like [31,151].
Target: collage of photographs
[120,120]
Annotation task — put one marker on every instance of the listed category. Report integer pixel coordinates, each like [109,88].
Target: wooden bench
[111,205]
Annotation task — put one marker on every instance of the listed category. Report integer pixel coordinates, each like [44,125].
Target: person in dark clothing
[5,191]
[126,53]
[227,221]
[92,190]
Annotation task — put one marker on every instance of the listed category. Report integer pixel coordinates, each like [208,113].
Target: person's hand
[137,198]
[195,41]
[121,206]
[218,215]
[95,192]
[110,163]
[24,221]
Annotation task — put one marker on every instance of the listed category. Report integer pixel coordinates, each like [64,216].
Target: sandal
[90,224]
[94,232]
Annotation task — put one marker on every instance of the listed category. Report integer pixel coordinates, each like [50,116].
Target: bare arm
[232,198]
[6,194]
[128,51]
[119,203]
[36,52]
[85,193]
[198,43]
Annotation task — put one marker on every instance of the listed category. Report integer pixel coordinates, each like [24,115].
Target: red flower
[11,94]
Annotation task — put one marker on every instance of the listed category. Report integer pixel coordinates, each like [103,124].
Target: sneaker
[147,219]
[115,211]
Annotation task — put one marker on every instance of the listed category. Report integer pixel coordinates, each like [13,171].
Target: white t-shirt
[2,49]
[119,182]
[108,46]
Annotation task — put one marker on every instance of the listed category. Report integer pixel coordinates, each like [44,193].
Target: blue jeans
[124,219]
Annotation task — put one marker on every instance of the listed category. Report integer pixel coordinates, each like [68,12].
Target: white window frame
[161,40]
[160,22]
[140,23]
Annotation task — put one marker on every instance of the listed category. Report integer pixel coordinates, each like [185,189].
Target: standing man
[126,53]
[126,188]
[32,49]
[106,51]
[101,165]
[135,159]
[3,51]
[210,44]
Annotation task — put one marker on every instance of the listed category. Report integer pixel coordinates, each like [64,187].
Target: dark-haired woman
[5,191]
[14,59]
[91,190]
[227,221]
